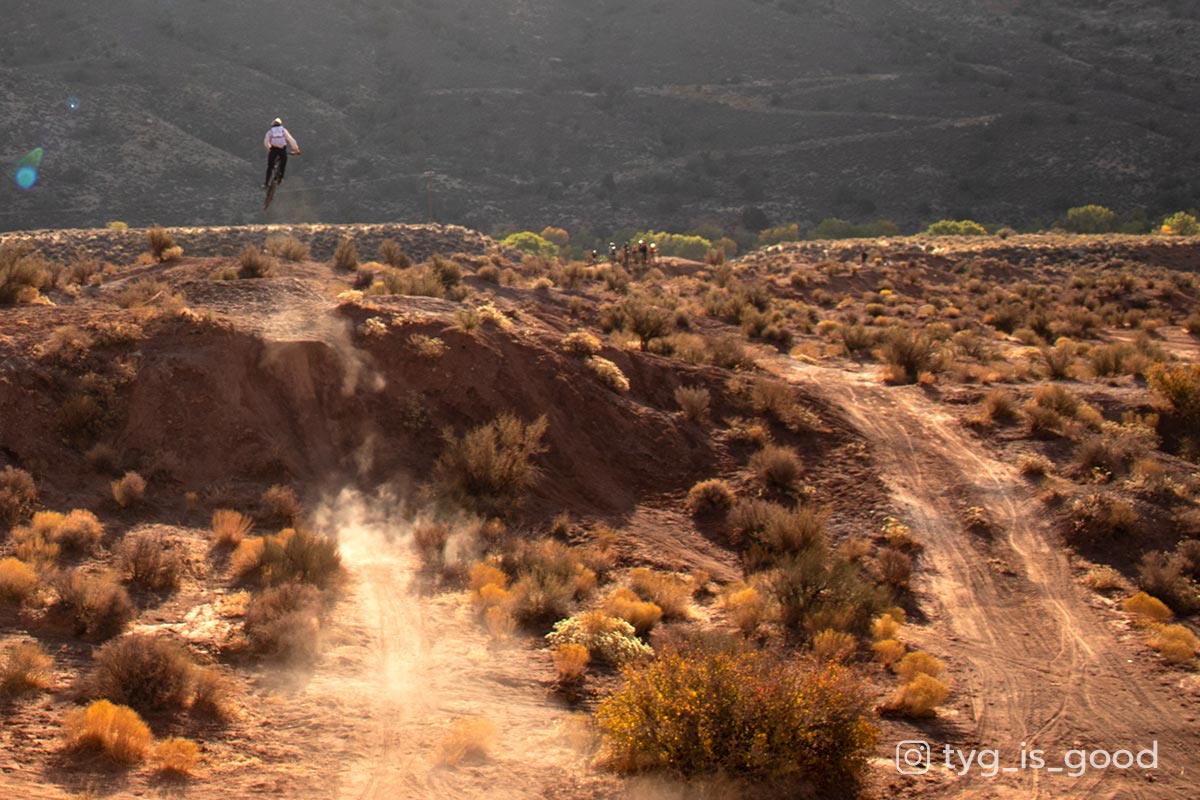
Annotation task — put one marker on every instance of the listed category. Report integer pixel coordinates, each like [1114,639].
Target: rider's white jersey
[278,136]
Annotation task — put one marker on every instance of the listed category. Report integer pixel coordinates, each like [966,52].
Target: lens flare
[73,102]
[26,177]
[25,173]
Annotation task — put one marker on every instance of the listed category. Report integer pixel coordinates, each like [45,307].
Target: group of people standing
[642,254]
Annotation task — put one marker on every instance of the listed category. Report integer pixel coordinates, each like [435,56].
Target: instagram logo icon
[912,758]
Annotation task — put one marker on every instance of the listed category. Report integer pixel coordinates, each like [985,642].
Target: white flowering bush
[608,638]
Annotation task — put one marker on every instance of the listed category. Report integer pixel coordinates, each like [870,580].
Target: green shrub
[1181,223]
[704,710]
[532,243]
[693,248]
[780,233]
[949,227]
[1090,219]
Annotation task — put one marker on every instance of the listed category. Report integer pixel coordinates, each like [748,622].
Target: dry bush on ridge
[581,343]
[161,242]
[289,248]
[279,506]
[99,605]
[17,496]
[1105,579]
[909,354]
[150,560]
[144,672]
[129,490]
[710,496]
[391,254]
[694,403]
[67,346]
[252,263]
[1176,643]
[285,622]
[22,274]
[608,373]
[471,738]
[1165,576]
[777,468]
[701,709]
[290,555]
[18,582]
[1097,518]
[888,651]
[917,663]
[893,568]
[491,466]
[345,257]
[230,527]
[116,731]
[79,532]
[176,755]
[25,667]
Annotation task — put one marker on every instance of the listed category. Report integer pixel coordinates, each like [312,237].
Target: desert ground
[331,503]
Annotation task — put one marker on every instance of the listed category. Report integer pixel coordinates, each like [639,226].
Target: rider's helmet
[277,121]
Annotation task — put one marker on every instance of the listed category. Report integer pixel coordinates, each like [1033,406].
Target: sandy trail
[410,664]
[1038,664]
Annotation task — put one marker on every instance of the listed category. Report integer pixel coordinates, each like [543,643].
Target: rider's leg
[282,162]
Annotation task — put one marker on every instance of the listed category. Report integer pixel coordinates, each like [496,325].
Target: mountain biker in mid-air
[277,141]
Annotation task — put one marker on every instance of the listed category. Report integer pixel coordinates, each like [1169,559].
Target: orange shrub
[116,731]
[18,581]
[570,661]
[177,755]
[230,527]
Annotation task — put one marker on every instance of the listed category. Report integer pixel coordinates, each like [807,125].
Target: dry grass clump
[430,539]
[150,560]
[830,646]
[22,274]
[176,756]
[581,343]
[393,255]
[608,373]
[99,604]
[17,496]
[428,347]
[710,497]
[1033,464]
[893,568]
[1146,608]
[909,354]
[888,651]
[746,606]
[1105,579]
[279,506]
[345,257]
[144,672]
[67,346]
[998,406]
[161,243]
[1099,517]
[671,593]
[918,698]
[18,581]
[701,709]
[129,490]
[79,532]
[777,468]
[285,622]
[550,576]
[625,604]
[1176,643]
[499,623]
[917,663]
[116,731]
[885,626]
[25,667]
[694,403]
[230,527]
[570,662]
[491,466]
[467,738]
[252,263]
[290,555]
[1169,576]
[289,248]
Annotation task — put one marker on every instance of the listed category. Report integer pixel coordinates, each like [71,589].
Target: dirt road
[1033,660]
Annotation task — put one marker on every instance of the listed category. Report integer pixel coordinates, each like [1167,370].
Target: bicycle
[274,181]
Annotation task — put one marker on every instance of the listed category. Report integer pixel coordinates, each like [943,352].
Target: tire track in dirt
[1036,662]
[412,663]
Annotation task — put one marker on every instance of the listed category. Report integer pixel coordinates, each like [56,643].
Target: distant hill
[597,115]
